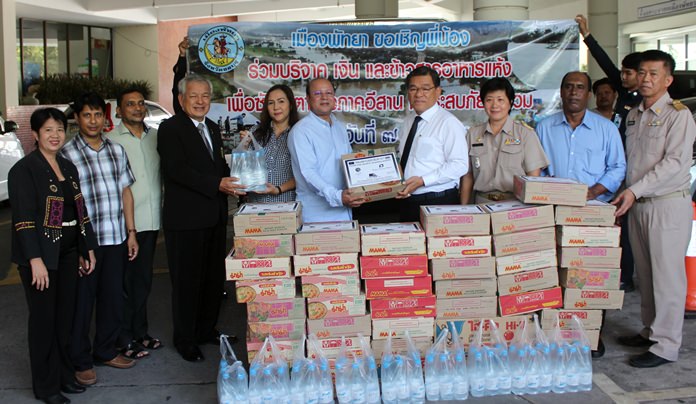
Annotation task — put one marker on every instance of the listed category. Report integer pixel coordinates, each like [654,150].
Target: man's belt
[671,195]
[431,195]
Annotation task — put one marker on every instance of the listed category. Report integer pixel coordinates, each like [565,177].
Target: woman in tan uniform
[499,149]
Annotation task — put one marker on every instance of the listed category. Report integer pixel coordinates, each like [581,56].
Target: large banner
[368,64]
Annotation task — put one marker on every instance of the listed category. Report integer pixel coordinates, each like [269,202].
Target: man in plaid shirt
[105,179]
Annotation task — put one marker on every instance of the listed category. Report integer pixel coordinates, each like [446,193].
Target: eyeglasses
[131,104]
[424,90]
[328,93]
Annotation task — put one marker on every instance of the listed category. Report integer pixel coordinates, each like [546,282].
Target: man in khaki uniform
[659,137]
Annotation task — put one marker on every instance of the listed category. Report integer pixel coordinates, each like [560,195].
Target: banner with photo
[368,64]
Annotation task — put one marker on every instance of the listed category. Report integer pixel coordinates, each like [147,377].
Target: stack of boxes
[260,264]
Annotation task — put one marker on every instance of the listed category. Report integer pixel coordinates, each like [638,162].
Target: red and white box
[405,312]
[267,218]
[337,306]
[590,257]
[588,236]
[257,268]
[451,289]
[459,246]
[400,287]
[393,266]
[463,268]
[341,326]
[595,213]
[286,348]
[416,327]
[326,264]
[328,238]
[280,245]
[590,319]
[331,347]
[524,241]
[283,309]
[531,301]
[528,281]
[280,330]
[467,328]
[550,190]
[264,290]
[454,220]
[330,285]
[511,264]
[596,278]
[467,307]
[392,239]
[415,306]
[593,299]
[514,216]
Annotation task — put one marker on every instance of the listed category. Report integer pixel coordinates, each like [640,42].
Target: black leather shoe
[600,350]
[56,399]
[647,360]
[190,353]
[636,341]
[72,388]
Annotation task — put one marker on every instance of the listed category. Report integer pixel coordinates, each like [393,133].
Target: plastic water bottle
[545,367]
[491,372]
[558,362]
[343,387]
[282,390]
[268,391]
[312,384]
[432,378]
[503,370]
[476,368]
[586,370]
[257,175]
[416,382]
[255,385]
[446,377]
[573,369]
[518,368]
[460,377]
[297,379]
[372,390]
[533,371]
[240,383]
[388,379]
[357,384]
[326,392]
[401,371]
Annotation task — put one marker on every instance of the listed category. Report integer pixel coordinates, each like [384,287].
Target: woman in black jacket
[52,244]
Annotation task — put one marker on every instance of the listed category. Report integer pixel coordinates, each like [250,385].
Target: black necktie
[201,130]
[409,142]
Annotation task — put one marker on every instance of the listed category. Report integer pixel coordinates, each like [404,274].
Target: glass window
[78,50]
[691,51]
[101,51]
[32,52]
[56,48]
[675,46]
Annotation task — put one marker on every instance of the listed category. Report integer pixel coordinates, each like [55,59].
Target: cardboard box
[256,268]
[454,220]
[330,285]
[455,288]
[384,184]
[593,299]
[524,241]
[326,264]
[393,266]
[402,303]
[331,347]
[281,330]
[595,213]
[399,287]
[416,327]
[264,290]
[574,335]
[328,238]
[588,236]
[338,327]
[531,301]
[467,307]
[462,268]
[331,307]
[597,278]
[404,312]
[399,346]
[550,190]
[590,319]
[511,264]
[590,257]
[466,328]
[514,216]
[392,239]
[267,218]
[280,245]
[287,349]
[459,246]
[284,309]
[528,281]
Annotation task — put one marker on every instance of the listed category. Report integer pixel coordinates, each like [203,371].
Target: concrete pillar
[366,9]
[602,19]
[501,10]
[9,75]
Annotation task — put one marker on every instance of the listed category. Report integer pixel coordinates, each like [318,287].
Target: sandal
[149,342]
[133,351]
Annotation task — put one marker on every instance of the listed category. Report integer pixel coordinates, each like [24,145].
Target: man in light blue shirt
[316,144]
[581,144]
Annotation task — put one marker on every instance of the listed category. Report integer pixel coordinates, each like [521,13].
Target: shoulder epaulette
[678,105]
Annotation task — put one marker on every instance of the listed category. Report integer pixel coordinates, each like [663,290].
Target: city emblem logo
[220,49]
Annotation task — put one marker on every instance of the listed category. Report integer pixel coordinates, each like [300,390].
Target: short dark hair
[654,55]
[601,82]
[309,84]
[587,76]
[632,60]
[90,99]
[496,84]
[41,115]
[119,98]
[424,71]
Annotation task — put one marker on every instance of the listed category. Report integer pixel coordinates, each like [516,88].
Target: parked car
[10,152]
[155,115]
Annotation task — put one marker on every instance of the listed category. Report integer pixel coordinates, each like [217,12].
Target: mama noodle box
[283,309]
[593,299]
[280,245]
[550,190]
[595,213]
[463,268]
[392,239]
[328,238]
[590,257]
[340,326]
[326,264]
[399,345]
[596,278]
[590,319]
[588,236]
[393,266]
[466,328]
[415,306]
[286,348]
[511,264]
[528,281]
[264,290]
[531,301]
[514,216]
[450,289]
[416,327]
[331,347]
[467,307]
[336,306]
[454,220]
[399,287]
[256,268]
[330,285]
[459,246]
[280,330]
[267,218]
[524,241]
[404,312]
